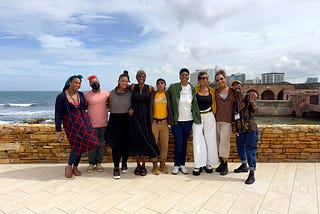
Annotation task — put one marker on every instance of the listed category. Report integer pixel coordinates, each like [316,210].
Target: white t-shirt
[185,101]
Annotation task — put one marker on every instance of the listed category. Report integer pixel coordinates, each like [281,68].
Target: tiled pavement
[42,188]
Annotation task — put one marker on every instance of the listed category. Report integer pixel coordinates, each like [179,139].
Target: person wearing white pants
[205,148]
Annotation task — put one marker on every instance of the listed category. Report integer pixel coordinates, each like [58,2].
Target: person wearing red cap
[98,113]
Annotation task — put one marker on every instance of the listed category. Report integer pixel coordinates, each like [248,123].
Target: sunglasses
[160,83]
[217,80]
[202,78]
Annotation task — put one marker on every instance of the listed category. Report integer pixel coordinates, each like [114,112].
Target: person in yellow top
[205,150]
[161,117]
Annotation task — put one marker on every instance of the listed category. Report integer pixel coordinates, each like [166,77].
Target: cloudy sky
[43,42]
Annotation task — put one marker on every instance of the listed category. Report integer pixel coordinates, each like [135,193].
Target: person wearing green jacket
[185,113]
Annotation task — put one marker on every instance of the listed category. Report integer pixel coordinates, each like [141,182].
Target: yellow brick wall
[24,143]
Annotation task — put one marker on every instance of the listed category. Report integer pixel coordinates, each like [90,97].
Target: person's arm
[58,116]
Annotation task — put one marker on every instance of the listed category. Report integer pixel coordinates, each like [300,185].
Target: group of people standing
[140,118]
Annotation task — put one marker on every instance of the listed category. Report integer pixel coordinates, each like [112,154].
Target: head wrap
[236,82]
[160,79]
[70,78]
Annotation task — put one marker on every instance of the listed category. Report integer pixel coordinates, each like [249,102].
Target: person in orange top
[161,117]
[98,113]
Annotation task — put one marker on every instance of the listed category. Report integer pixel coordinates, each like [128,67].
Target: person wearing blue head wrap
[70,110]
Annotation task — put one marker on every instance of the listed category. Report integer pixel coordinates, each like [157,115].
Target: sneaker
[197,171]
[124,168]
[208,169]
[183,169]
[90,168]
[116,173]
[99,167]
[175,170]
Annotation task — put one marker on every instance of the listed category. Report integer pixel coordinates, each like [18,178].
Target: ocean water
[16,106]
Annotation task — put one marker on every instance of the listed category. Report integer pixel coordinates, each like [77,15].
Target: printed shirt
[160,106]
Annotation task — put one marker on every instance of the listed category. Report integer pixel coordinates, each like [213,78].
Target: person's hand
[130,111]
[58,136]
[252,96]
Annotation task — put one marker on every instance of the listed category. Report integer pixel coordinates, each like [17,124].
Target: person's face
[75,84]
[221,81]
[252,95]
[93,80]
[203,79]
[141,78]
[184,77]
[237,87]
[123,82]
[161,85]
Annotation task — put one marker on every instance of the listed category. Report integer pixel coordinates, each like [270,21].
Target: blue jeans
[247,144]
[181,133]
[74,159]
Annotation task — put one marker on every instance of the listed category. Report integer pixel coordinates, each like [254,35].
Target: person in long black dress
[142,143]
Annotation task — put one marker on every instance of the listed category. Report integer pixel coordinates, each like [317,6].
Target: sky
[43,42]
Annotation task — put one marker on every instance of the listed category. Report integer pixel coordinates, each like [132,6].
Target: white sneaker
[175,170]
[183,169]
[90,168]
[99,167]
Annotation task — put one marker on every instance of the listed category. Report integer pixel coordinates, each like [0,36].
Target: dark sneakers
[208,168]
[242,168]
[250,179]
[116,173]
[224,168]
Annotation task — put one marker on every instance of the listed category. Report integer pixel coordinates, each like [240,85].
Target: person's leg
[156,131]
[75,169]
[177,134]
[143,166]
[100,148]
[163,142]
[224,146]
[199,149]
[251,149]
[210,136]
[241,150]
[187,125]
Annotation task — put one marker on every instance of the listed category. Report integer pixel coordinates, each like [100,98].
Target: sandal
[144,171]
[137,170]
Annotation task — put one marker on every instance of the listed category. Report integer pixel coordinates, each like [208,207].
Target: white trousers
[205,149]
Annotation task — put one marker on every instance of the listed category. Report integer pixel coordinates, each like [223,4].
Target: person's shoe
[250,179]
[68,171]
[175,170]
[90,168]
[163,168]
[208,169]
[155,169]
[76,171]
[137,170]
[144,171]
[183,169]
[116,173]
[242,168]
[224,168]
[197,171]
[124,168]
[218,169]
[99,167]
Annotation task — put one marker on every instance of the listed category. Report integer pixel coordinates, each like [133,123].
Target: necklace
[76,103]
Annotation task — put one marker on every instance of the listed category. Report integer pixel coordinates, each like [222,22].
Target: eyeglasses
[160,83]
[217,80]
[202,78]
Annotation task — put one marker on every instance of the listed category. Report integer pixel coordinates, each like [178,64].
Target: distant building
[272,77]
[238,76]
[312,80]
[254,81]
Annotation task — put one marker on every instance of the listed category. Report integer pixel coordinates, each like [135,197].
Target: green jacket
[175,89]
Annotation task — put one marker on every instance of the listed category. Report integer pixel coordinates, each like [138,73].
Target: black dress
[142,141]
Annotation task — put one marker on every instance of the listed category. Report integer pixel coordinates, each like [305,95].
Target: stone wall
[22,143]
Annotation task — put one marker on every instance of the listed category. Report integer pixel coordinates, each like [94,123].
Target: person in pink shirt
[98,114]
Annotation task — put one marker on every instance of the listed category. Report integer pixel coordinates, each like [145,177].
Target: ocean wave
[20,104]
